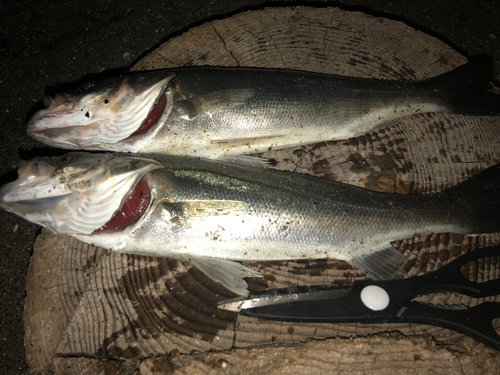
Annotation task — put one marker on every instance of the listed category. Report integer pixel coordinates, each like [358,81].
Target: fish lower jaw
[108,242]
[45,136]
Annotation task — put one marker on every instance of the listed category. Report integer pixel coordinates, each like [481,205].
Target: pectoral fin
[247,160]
[226,272]
[248,142]
[383,264]
[202,209]
[214,102]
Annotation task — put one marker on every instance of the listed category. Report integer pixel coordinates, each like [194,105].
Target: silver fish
[223,112]
[215,213]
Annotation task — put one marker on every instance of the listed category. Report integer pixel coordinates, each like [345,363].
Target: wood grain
[420,154]
[94,311]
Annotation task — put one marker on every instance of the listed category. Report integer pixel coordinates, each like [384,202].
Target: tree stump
[92,311]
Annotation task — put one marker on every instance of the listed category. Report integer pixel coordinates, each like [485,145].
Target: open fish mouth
[112,116]
[82,194]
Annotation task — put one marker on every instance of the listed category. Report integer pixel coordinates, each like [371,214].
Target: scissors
[387,301]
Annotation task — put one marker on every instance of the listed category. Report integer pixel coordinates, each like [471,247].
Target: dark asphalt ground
[45,43]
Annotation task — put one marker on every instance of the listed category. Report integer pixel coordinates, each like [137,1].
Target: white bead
[375,297]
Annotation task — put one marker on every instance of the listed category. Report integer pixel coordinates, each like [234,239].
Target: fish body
[223,112]
[213,213]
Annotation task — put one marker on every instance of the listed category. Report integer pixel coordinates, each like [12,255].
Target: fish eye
[106,101]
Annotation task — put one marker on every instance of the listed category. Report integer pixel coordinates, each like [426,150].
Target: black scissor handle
[475,322]
[448,278]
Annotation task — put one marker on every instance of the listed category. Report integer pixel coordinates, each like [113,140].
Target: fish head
[116,114]
[82,193]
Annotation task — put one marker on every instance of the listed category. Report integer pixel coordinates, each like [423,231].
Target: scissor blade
[276,298]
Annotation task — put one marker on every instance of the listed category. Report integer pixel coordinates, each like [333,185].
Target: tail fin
[465,90]
[482,195]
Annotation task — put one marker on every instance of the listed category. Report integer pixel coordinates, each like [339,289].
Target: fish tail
[465,90]
[481,194]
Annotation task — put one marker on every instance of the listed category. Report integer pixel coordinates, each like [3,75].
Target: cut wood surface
[89,310]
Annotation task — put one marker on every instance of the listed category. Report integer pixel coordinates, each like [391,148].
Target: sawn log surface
[89,310]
